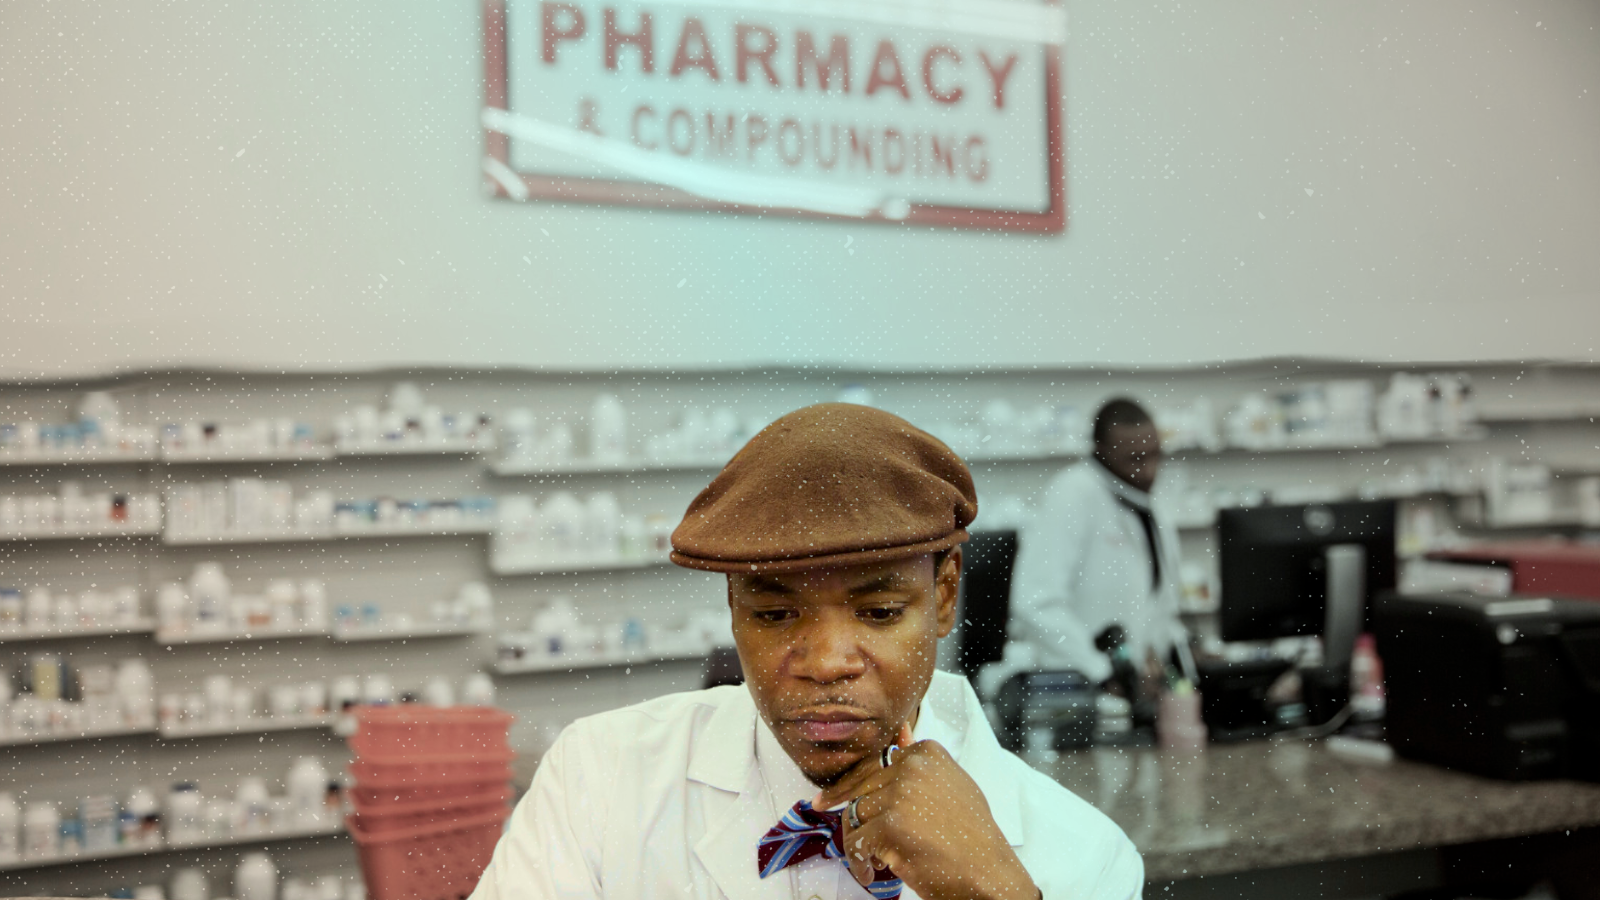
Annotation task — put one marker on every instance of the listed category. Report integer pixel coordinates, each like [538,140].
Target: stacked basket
[430,798]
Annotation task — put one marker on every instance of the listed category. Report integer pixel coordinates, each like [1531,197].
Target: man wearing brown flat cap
[846,766]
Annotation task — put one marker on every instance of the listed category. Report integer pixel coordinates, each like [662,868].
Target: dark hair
[1114,412]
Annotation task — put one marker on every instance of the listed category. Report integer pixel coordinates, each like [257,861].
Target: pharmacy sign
[932,112]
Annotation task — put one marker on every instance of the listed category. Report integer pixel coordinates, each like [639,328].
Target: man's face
[1132,453]
[838,658]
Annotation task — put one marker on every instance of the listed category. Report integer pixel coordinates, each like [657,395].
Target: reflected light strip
[508,180]
[710,182]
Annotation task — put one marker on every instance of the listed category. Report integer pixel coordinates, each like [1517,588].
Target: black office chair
[985,606]
[722,667]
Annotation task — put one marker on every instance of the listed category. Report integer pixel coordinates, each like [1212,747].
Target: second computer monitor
[1275,563]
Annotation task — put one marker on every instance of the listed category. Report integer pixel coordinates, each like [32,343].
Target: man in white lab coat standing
[1096,555]
[845,768]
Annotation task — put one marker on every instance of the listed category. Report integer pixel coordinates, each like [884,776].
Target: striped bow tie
[804,832]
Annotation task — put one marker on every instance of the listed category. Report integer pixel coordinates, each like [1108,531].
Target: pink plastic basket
[395,731]
[366,798]
[388,803]
[430,771]
[428,862]
[390,821]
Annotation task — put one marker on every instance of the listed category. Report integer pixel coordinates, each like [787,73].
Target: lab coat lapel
[728,848]
[981,754]
[724,759]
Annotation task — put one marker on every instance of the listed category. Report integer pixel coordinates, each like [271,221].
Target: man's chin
[825,764]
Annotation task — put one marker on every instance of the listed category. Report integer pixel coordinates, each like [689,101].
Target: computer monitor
[1282,564]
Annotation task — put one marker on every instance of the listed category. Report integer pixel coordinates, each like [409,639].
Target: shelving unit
[1557,521]
[257,725]
[412,632]
[546,566]
[454,529]
[513,468]
[576,662]
[333,828]
[604,591]
[287,834]
[451,447]
[233,636]
[88,457]
[78,532]
[517,468]
[60,737]
[1540,412]
[143,626]
[206,455]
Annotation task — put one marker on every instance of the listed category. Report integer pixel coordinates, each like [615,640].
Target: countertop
[1264,804]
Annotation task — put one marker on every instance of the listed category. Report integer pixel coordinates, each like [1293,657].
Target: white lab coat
[669,798]
[1083,562]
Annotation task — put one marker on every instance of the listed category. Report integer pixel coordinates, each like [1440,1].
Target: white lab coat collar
[1119,487]
[724,758]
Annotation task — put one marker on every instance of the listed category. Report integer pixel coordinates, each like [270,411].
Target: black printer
[1507,687]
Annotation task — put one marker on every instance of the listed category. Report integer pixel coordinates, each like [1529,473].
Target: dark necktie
[1154,543]
[804,832]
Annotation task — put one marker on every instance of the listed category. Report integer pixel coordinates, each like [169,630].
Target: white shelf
[75,457]
[327,829]
[1046,454]
[598,466]
[1471,433]
[143,626]
[545,566]
[465,526]
[72,858]
[1574,468]
[634,466]
[201,455]
[1374,443]
[57,737]
[1571,520]
[354,635]
[260,725]
[230,635]
[449,447]
[372,531]
[1544,412]
[592,661]
[1064,454]
[286,834]
[67,532]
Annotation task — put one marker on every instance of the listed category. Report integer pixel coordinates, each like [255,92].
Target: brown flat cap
[828,485]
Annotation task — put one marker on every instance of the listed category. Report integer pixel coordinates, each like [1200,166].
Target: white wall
[295,185]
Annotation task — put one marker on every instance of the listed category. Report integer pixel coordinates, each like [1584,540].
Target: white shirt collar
[1117,486]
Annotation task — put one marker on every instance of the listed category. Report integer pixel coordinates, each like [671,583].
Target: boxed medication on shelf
[243,509]
[1000,430]
[557,634]
[74,512]
[695,437]
[470,610]
[49,699]
[97,433]
[208,604]
[256,438]
[41,612]
[566,531]
[222,707]
[409,423]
